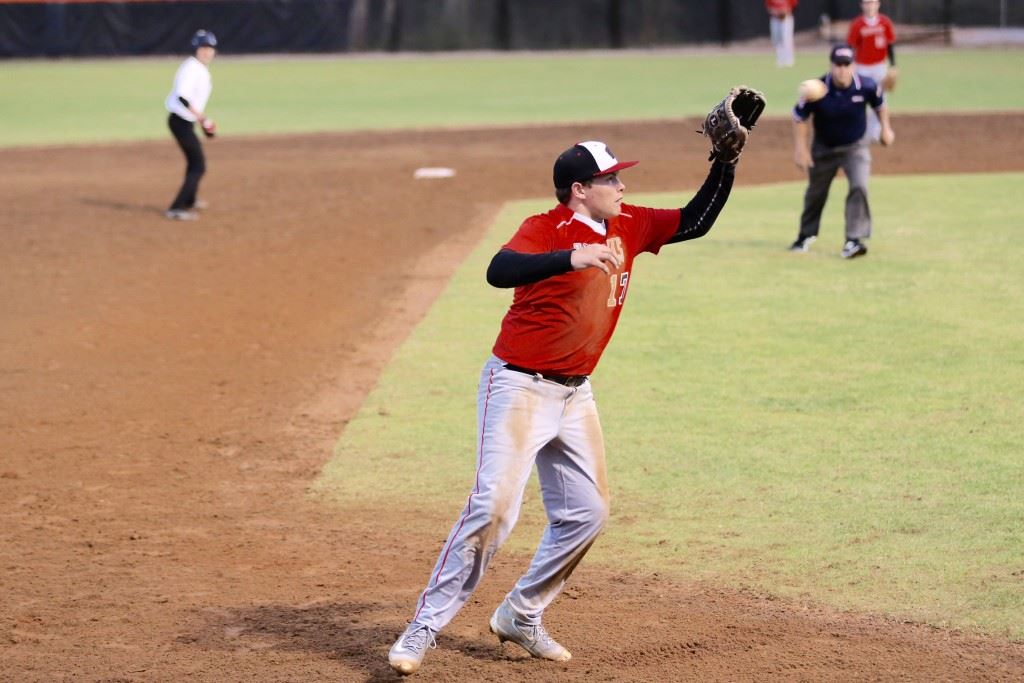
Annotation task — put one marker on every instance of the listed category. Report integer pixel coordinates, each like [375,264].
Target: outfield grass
[845,432]
[51,102]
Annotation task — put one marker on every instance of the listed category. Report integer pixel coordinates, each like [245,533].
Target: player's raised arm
[697,217]
[728,126]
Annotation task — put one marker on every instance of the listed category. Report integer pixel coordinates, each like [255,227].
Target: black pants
[184,132]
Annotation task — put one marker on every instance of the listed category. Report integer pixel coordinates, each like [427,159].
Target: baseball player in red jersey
[872,35]
[572,269]
[780,27]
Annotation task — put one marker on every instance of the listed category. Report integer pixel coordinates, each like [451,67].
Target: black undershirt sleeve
[183,101]
[697,217]
[892,55]
[514,269]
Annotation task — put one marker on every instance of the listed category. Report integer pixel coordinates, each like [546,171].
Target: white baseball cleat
[181,215]
[533,638]
[803,243]
[407,653]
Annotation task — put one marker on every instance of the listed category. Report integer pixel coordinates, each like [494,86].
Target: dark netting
[38,29]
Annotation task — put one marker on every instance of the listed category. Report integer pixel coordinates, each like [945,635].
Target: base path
[168,392]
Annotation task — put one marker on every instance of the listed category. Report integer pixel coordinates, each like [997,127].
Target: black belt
[567,380]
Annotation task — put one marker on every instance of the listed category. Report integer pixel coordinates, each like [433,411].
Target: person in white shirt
[186,104]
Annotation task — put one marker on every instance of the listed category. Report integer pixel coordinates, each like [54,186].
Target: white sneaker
[803,244]
[181,215]
[407,653]
[532,638]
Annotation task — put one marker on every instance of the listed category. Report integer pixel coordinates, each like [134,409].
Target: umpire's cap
[583,161]
[841,54]
[203,38]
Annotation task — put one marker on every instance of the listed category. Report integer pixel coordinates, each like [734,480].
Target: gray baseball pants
[855,160]
[522,420]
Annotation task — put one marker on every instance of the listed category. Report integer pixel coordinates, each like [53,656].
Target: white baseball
[812,90]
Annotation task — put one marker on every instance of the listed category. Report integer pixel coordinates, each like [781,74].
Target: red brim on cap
[617,167]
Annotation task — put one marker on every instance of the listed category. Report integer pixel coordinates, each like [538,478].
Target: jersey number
[619,282]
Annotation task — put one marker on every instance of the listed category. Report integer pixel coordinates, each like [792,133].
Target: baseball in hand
[812,90]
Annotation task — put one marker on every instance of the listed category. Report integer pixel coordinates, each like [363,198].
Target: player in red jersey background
[872,37]
[780,27]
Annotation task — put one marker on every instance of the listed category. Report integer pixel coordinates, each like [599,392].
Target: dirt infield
[168,391]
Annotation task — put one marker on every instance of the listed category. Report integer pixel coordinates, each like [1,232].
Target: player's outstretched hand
[594,256]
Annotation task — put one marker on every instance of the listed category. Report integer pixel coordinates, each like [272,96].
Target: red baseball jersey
[778,7]
[871,40]
[562,324]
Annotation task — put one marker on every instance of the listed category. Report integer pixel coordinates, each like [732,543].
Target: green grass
[57,102]
[844,432]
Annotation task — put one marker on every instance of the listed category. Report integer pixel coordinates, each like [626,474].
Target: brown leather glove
[729,124]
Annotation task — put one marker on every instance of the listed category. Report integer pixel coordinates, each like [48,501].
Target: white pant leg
[781,31]
[875,72]
[574,486]
[517,416]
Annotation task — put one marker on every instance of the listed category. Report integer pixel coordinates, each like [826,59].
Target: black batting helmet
[203,38]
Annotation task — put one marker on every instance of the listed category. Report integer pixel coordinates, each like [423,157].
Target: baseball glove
[209,128]
[730,122]
[890,79]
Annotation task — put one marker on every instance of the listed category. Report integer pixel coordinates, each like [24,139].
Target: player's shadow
[125,207]
[347,632]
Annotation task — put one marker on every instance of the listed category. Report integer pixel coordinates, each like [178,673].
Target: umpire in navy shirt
[839,126]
